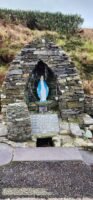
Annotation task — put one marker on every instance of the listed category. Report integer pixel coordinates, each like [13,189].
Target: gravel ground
[72,179]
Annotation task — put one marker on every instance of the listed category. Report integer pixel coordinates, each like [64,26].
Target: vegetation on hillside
[43,20]
[19,27]
[80,49]
[12,39]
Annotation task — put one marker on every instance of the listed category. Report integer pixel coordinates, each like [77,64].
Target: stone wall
[89,104]
[18,122]
[70,94]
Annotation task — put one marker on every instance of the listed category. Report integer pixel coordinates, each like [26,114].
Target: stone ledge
[23,198]
[46,154]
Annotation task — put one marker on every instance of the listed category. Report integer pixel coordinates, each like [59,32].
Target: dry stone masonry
[89,104]
[66,97]
[69,92]
[18,122]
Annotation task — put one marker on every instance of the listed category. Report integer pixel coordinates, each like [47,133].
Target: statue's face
[42,78]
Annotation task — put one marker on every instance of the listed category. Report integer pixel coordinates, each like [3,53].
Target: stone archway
[23,76]
[70,91]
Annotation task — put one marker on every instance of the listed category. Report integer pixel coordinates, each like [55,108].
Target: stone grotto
[65,118]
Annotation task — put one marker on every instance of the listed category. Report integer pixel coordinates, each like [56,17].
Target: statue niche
[41,85]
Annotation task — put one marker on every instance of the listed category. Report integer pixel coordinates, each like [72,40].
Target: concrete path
[51,172]
[6,153]
[57,179]
[49,198]
[87,156]
[46,154]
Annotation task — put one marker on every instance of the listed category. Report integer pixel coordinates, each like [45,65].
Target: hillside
[43,20]
[79,47]
[87,33]
[12,39]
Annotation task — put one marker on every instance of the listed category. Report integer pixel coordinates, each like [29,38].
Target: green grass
[81,52]
[88,46]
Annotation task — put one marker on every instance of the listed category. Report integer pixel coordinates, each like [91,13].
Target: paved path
[59,179]
[47,198]
[51,173]
[46,154]
[87,156]
[8,154]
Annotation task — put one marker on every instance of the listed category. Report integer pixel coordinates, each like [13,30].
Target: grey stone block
[75,129]
[3,130]
[44,124]
[6,153]
[88,120]
[46,154]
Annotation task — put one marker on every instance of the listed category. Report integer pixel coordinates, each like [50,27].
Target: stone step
[8,154]
[23,198]
[46,154]
[87,156]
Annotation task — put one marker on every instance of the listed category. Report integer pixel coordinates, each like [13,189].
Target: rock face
[18,122]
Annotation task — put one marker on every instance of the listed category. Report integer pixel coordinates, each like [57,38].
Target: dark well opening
[44,142]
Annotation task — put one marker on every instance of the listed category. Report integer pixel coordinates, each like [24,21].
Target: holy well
[42,88]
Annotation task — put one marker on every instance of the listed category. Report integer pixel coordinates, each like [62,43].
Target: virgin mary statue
[42,90]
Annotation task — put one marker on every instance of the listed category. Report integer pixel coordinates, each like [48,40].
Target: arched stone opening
[31,96]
